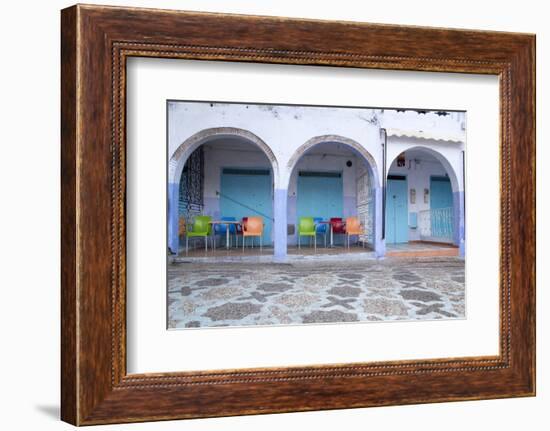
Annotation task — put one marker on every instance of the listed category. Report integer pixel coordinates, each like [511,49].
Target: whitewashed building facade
[400,171]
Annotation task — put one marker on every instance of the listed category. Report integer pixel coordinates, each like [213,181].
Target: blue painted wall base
[173,217]
[280,225]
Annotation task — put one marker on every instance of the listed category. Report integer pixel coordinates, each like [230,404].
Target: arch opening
[332,177]
[424,201]
[226,174]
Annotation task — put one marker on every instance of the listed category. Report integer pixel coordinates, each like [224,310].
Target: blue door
[320,194]
[248,193]
[441,208]
[397,228]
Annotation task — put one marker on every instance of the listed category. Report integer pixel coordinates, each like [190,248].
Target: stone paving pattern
[239,294]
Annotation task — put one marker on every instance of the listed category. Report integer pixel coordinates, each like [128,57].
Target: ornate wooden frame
[95,43]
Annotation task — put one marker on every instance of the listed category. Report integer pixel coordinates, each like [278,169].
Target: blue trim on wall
[173,217]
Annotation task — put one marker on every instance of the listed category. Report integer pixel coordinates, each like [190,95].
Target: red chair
[338,226]
[239,230]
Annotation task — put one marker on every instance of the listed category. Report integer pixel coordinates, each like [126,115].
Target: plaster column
[280,225]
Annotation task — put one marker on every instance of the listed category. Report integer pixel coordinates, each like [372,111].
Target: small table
[331,232]
[228,223]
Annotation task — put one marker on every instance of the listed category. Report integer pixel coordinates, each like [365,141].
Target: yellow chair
[201,229]
[353,227]
[254,226]
[306,227]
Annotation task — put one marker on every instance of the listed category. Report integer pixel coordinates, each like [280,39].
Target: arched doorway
[424,199]
[221,172]
[333,176]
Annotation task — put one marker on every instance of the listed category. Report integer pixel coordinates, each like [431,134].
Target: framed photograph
[264,214]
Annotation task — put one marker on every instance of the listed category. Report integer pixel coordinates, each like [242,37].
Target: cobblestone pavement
[237,294]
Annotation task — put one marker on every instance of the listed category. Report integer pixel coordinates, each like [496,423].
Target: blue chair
[221,229]
[320,228]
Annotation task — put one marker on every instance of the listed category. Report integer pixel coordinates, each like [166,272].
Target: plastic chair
[337,226]
[239,230]
[254,226]
[201,229]
[181,229]
[306,227]
[320,228]
[221,229]
[353,227]
[181,226]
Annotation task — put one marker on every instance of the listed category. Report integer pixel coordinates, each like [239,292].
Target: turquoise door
[248,193]
[320,194]
[441,206]
[441,194]
[397,228]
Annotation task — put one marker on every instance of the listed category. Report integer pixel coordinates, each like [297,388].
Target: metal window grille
[365,207]
[191,188]
[436,224]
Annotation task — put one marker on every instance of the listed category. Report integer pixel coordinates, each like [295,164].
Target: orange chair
[353,227]
[254,227]
[181,230]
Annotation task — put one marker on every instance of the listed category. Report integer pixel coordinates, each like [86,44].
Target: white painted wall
[451,126]
[448,153]
[285,128]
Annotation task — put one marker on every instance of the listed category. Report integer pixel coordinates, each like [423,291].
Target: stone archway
[354,145]
[458,214]
[182,153]
[371,168]
[440,158]
[184,150]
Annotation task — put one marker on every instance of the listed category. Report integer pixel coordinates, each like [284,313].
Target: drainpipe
[464,188]
[462,234]
[384,180]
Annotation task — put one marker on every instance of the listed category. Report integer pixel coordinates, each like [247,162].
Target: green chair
[201,229]
[306,227]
